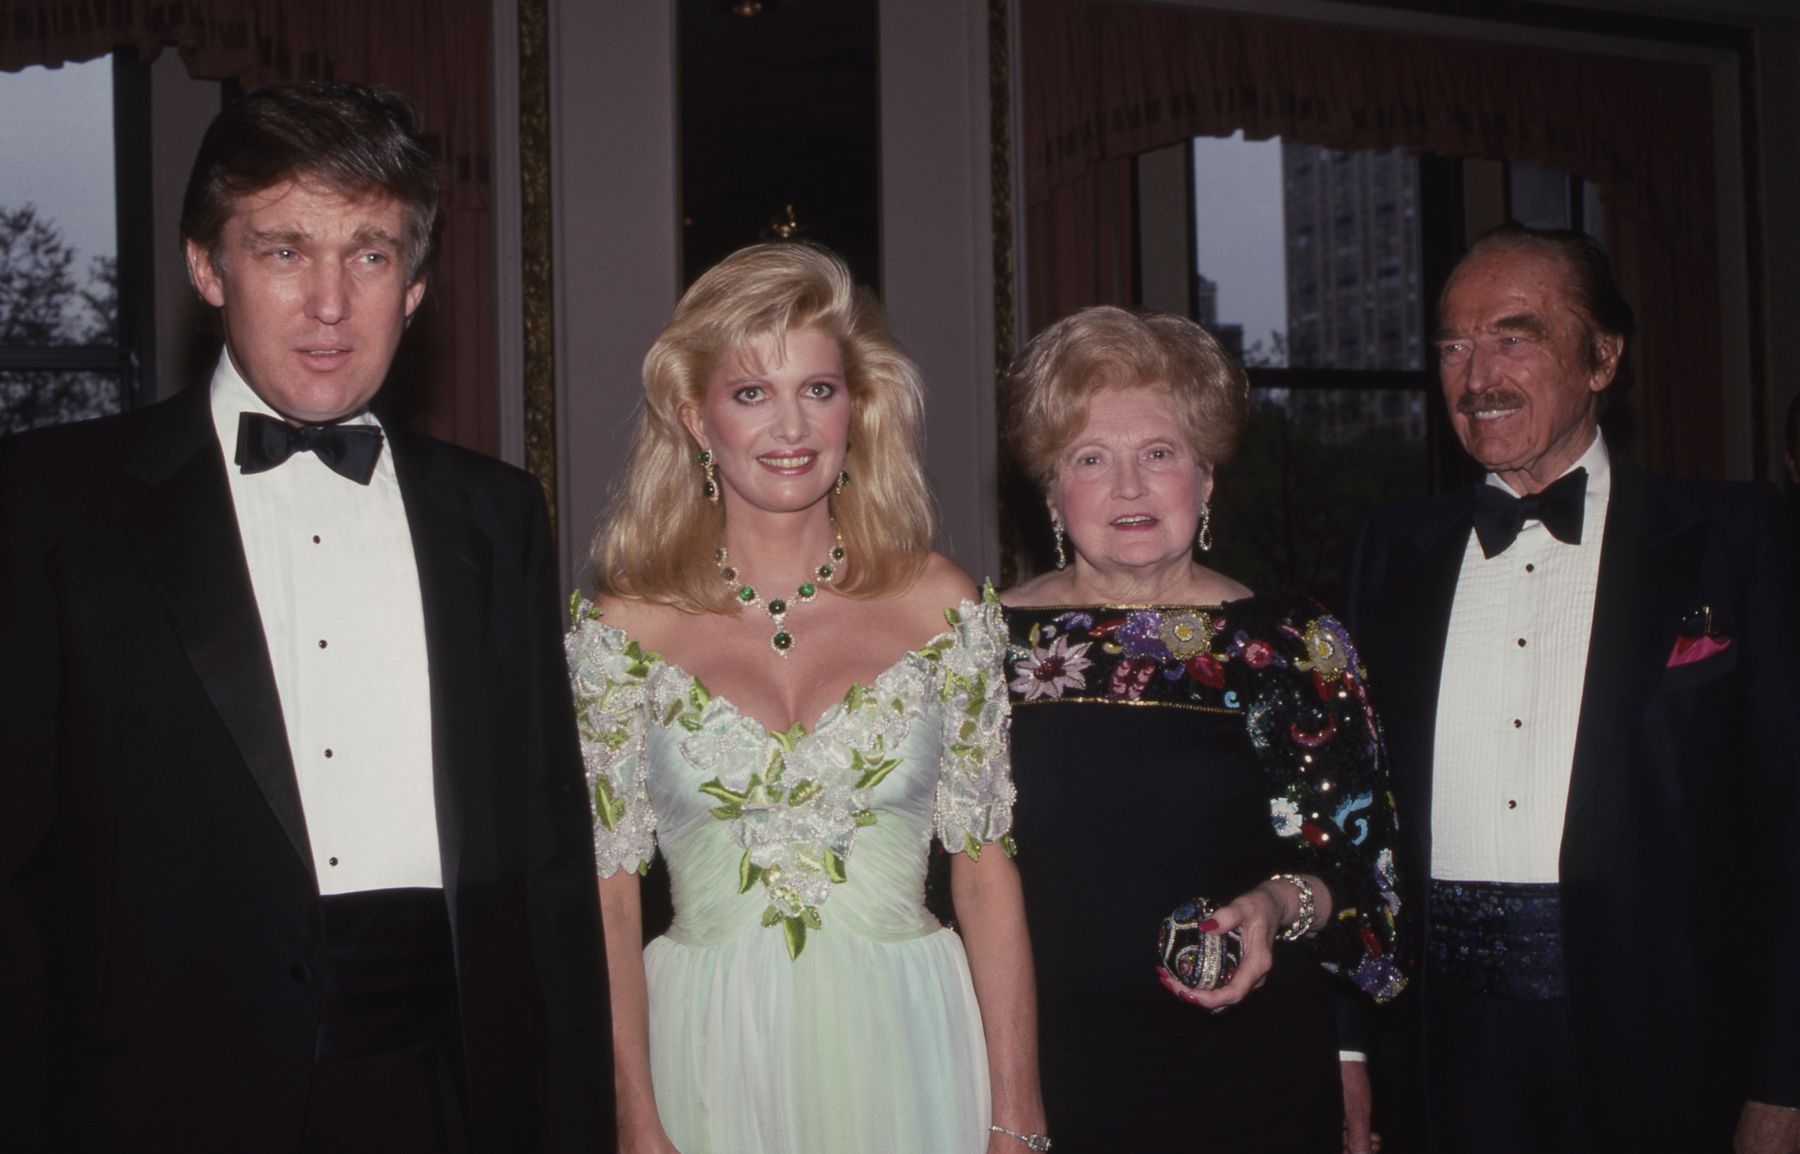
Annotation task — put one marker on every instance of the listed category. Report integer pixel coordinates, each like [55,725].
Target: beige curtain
[1102,82]
[434,51]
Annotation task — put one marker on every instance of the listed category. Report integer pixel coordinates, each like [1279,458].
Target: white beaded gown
[804,1000]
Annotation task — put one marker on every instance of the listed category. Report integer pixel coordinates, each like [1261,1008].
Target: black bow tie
[347,450]
[1499,515]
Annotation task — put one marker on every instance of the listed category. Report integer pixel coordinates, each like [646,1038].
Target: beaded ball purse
[1200,961]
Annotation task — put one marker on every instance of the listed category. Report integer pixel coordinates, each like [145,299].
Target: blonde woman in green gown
[784,697]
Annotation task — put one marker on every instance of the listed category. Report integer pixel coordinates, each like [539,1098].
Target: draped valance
[1103,82]
[434,51]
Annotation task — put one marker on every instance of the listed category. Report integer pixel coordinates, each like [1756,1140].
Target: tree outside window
[65,347]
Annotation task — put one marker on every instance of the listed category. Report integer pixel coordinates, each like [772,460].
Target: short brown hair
[351,138]
[1053,381]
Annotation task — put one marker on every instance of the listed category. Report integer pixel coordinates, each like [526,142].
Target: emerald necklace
[778,607]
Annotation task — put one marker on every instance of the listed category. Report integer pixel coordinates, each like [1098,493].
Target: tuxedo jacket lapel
[184,532]
[1647,565]
[454,561]
[1420,590]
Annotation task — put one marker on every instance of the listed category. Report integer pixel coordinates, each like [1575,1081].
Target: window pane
[1352,257]
[1308,257]
[1313,462]
[1538,196]
[58,215]
[33,398]
[1240,287]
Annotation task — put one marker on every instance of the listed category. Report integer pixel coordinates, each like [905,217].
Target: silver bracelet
[1309,908]
[1038,1142]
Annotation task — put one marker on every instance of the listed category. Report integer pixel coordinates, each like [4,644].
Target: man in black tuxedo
[294,845]
[1589,686]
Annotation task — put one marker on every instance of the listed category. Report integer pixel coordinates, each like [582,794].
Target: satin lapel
[186,536]
[1647,566]
[1420,590]
[454,560]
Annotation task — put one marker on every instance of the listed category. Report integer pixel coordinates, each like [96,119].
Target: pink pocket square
[1691,649]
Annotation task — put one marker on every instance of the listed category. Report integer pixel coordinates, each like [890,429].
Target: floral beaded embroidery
[608,674]
[1047,670]
[975,792]
[1294,675]
[794,800]
[797,816]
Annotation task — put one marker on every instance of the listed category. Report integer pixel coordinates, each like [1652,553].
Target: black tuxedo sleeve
[1350,609]
[29,676]
[565,908]
[1770,636]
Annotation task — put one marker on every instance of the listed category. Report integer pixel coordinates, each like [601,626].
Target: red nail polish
[1209,926]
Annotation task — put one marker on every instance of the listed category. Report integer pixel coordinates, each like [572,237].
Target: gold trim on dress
[1196,707]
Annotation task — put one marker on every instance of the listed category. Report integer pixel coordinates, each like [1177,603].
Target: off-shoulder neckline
[800,731]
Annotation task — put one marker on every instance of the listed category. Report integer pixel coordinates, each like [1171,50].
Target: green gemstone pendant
[778,607]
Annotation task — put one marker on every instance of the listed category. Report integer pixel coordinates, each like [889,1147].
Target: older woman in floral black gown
[1176,735]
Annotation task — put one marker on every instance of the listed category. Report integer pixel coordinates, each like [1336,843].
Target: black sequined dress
[1164,753]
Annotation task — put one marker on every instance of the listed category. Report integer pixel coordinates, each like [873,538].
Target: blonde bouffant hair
[1052,383]
[660,534]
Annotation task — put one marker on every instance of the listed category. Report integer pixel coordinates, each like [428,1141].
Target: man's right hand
[1766,1129]
[1359,1102]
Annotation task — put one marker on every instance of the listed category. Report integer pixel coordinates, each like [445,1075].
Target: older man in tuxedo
[294,848]
[1589,684]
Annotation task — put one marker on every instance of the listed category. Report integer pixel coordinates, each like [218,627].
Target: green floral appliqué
[794,800]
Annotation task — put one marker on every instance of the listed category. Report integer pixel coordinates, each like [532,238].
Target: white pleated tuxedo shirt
[337,588]
[1509,699]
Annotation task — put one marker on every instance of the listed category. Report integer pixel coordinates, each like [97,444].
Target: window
[1322,267]
[1333,340]
[1540,197]
[74,238]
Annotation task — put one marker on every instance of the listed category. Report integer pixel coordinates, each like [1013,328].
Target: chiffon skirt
[858,1045]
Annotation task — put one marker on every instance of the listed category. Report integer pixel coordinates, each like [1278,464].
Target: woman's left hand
[1258,916]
